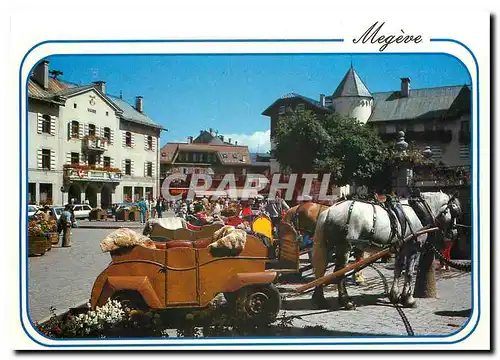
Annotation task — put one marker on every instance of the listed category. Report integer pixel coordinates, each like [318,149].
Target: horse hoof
[409,302]
[348,304]
[394,297]
[320,301]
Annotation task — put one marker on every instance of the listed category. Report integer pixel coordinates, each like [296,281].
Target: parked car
[81,211]
[32,210]
[56,211]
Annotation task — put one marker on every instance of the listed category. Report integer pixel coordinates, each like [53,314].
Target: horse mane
[436,200]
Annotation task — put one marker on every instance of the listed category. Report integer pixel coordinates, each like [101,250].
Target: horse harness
[394,211]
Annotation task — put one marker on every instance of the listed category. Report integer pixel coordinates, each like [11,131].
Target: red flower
[57,330]
[36,323]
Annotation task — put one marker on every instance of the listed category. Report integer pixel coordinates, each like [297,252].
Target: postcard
[232,187]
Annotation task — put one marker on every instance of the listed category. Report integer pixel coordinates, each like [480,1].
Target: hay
[124,237]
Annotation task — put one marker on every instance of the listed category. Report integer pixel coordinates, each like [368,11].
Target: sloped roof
[57,90]
[427,103]
[293,95]
[131,114]
[227,154]
[351,85]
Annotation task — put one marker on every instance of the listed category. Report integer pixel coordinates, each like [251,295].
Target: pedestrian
[275,208]
[143,208]
[153,208]
[65,225]
[159,209]
[446,252]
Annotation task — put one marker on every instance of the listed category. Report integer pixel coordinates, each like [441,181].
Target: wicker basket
[37,245]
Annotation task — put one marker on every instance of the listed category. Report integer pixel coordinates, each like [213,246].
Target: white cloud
[259,141]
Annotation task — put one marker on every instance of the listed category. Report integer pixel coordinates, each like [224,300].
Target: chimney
[236,143]
[139,104]
[101,85]
[201,132]
[211,131]
[221,137]
[190,139]
[229,140]
[41,74]
[322,99]
[405,87]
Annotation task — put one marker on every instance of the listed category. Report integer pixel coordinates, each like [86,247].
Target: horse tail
[319,253]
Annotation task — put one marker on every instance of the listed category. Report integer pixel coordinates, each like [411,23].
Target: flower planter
[122,215]
[37,245]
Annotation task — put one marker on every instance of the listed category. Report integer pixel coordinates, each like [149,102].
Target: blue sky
[187,93]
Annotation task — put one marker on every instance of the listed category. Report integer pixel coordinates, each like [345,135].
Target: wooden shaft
[328,278]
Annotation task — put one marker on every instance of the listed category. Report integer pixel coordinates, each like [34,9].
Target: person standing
[66,222]
[153,208]
[159,210]
[275,208]
[143,208]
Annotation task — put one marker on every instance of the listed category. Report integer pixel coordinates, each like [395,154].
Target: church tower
[352,98]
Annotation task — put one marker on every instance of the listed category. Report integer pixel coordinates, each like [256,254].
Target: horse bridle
[452,231]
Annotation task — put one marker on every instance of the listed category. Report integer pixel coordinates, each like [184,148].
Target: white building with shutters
[84,144]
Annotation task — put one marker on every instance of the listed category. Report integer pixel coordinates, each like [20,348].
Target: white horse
[367,226]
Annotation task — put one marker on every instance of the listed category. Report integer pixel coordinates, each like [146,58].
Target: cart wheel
[131,299]
[230,297]
[258,304]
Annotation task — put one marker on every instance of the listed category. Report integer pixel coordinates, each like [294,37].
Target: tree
[342,146]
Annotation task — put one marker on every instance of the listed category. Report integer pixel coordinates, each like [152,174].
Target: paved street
[63,278]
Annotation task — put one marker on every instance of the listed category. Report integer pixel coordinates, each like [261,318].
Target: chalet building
[209,154]
[85,144]
[436,117]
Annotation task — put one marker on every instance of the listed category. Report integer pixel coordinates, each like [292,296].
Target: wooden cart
[185,274]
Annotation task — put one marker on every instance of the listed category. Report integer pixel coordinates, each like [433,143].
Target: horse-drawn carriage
[181,270]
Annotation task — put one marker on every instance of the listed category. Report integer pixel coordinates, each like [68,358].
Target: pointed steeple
[351,85]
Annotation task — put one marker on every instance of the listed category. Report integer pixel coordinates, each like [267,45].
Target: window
[282,110]
[439,126]
[45,193]
[128,139]
[400,127]
[75,129]
[74,106]
[92,159]
[107,133]
[300,108]
[46,124]
[91,130]
[382,129]
[149,169]
[150,143]
[128,167]
[75,158]
[107,113]
[46,159]
[127,193]
[107,162]
[428,126]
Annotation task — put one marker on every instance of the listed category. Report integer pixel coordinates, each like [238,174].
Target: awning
[242,193]
[208,193]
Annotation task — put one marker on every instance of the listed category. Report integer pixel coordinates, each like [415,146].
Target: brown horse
[303,217]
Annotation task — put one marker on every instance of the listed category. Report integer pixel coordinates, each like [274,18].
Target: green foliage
[344,147]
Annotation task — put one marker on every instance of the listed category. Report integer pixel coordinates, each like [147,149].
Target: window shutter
[100,131]
[132,139]
[83,159]
[145,142]
[145,169]
[69,130]
[52,160]
[39,120]
[80,131]
[85,129]
[111,136]
[154,143]
[124,139]
[39,158]
[112,162]
[123,166]
[132,167]
[153,169]
[68,158]
[53,125]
